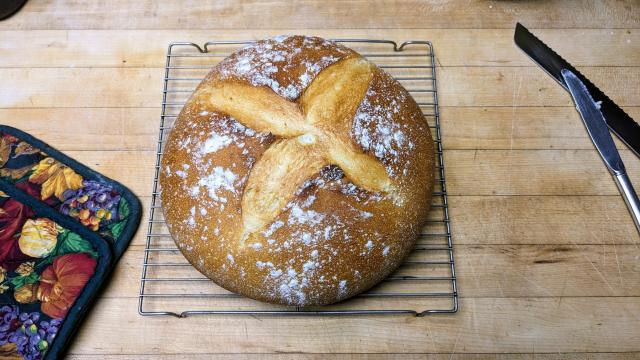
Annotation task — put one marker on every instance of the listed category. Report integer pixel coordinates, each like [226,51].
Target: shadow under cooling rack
[424,284]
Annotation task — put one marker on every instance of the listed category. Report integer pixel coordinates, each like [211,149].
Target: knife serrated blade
[597,127]
[618,121]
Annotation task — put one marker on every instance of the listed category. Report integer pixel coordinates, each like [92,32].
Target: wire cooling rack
[424,284]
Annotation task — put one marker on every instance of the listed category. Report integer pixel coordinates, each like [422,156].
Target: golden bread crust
[297,173]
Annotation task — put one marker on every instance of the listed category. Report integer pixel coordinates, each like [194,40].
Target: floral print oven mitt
[62,226]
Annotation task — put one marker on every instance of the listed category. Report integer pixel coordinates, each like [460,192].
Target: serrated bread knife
[599,132]
[618,121]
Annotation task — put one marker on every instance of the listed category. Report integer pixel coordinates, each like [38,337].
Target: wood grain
[526,220]
[547,255]
[453,47]
[517,128]
[526,86]
[562,219]
[533,271]
[403,356]
[230,14]
[464,128]
[533,172]
[104,129]
[482,325]
[469,172]
[458,86]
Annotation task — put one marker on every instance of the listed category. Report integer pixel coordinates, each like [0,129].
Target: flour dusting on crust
[262,63]
[377,130]
[333,238]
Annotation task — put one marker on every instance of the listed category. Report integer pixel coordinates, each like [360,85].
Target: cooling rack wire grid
[425,283]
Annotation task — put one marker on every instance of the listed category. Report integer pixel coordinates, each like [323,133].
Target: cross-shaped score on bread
[311,133]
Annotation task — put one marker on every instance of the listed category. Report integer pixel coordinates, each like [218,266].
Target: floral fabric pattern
[27,334]
[43,269]
[53,263]
[96,205]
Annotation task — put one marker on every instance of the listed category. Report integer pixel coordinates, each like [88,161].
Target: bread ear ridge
[323,112]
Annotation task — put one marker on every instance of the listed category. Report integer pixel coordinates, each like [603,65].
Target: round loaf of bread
[297,173]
